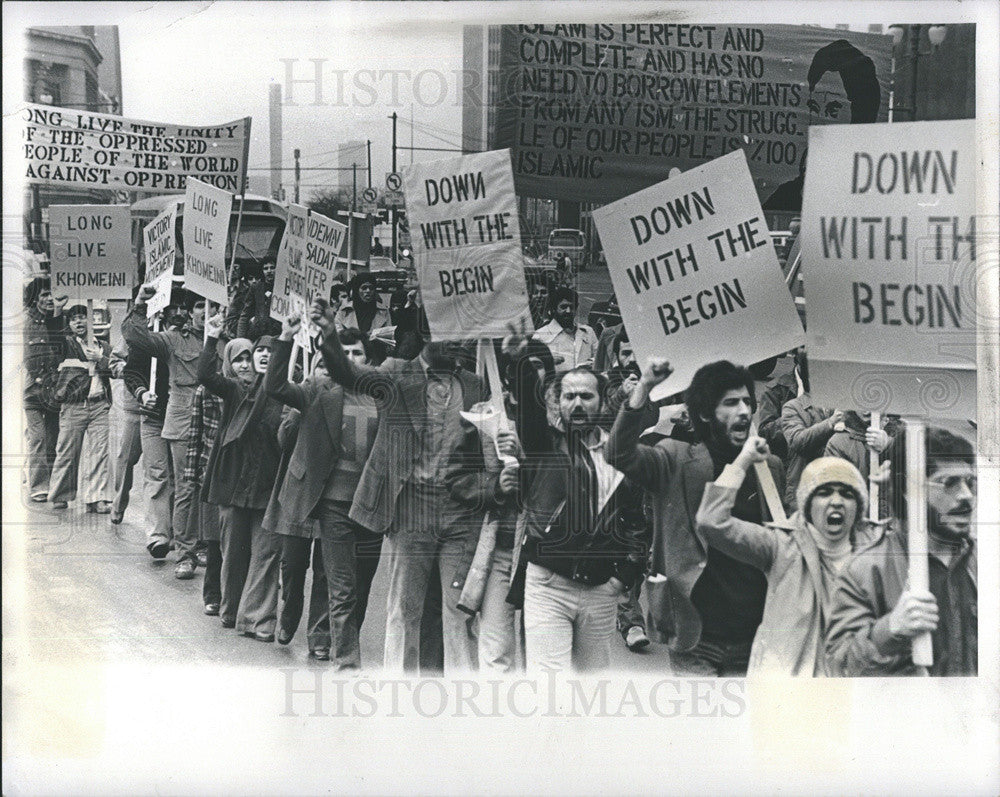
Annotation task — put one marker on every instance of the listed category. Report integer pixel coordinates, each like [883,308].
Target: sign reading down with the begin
[695,272]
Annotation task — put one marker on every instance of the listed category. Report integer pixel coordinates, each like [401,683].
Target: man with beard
[583,527]
[875,615]
[705,604]
[414,489]
[571,344]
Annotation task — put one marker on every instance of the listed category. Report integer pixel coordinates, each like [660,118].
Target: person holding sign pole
[84,390]
[571,344]
[801,562]
[876,615]
[703,602]
[180,349]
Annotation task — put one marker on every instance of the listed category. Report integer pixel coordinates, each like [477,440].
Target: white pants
[567,625]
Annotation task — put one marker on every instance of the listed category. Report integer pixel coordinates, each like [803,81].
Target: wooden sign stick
[766,480]
[873,472]
[916,512]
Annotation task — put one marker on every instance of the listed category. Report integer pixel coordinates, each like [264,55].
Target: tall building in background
[352,153]
[76,67]
[274,97]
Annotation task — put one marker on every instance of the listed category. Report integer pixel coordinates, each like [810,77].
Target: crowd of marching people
[514,531]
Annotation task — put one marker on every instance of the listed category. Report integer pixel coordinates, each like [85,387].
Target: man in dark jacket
[876,615]
[44,329]
[84,390]
[705,604]
[583,527]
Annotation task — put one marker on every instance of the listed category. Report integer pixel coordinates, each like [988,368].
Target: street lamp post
[936,35]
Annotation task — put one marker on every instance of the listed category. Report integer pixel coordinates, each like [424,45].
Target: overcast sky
[204,63]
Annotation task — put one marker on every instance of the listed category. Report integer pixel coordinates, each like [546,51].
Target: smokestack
[274,94]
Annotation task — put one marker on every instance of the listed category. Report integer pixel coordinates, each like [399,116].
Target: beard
[939,526]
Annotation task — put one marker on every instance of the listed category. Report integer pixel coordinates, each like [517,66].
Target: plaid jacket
[206,414]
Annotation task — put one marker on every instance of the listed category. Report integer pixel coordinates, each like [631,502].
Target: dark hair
[75,309]
[561,293]
[36,288]
[252,269]
[348,336]
[620,338]
[941,448]
[340,288]
[708,385]
[856,70]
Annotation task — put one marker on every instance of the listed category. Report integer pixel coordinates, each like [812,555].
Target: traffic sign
[393,199]
[393,181]
[370,208]
[369,195]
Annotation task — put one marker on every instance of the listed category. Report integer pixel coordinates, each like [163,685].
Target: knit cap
[826,470]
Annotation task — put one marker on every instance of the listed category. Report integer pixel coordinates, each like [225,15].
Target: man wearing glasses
[875,615]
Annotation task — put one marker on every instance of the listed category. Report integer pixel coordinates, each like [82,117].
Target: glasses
[952,483]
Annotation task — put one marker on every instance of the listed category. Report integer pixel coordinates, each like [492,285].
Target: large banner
[205,229]
[160,247]
[889,267]
[593,113]
[91,251]
[62,146]
[467,245]
[695,272]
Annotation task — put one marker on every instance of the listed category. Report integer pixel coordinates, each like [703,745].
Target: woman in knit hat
[239,476]
[801,562]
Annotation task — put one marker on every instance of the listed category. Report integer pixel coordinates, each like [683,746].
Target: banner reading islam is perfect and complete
[593,113]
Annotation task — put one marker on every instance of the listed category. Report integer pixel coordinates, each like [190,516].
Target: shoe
[320,654]
[260,636]
[228,623]
[185,569]
[284,637]
[59,505]
[212,609]
[158,550]
[40,498]
[99,507]
[116,517]
[636,639]
[202,556]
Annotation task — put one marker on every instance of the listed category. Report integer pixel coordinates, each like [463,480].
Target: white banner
[467,245]
[205,228]
[91,251]
[889,267]
[160,246]
[62,146]
[695,272]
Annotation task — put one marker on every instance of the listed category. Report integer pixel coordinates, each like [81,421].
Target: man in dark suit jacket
[705,604]
[336,432]
[414,488]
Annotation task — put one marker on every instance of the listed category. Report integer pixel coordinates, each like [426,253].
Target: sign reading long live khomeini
[62,146]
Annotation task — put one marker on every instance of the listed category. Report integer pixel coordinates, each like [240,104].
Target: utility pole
[369,163]
[297,176]
[392,210]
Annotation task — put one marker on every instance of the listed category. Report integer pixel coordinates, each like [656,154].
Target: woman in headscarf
[240,474]
[801,562]
[366,311]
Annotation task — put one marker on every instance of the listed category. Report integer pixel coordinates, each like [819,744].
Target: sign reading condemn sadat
[695,272]
[889,267]
[91,251]
[205,228]
[467,245]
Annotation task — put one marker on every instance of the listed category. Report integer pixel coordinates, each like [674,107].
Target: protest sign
[889,267]
[467,245]
[91,251]
[695,272]
[305,265]
[205,229]
[592,113]
[160,246]
[62,146]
